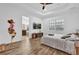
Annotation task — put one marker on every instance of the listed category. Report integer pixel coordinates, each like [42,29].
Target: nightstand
[77,47]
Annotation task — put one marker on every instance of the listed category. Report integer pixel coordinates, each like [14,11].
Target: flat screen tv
[36,26]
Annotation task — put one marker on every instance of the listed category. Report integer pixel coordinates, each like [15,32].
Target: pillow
[73,36]
[51,34]
[64,37]
[58,36]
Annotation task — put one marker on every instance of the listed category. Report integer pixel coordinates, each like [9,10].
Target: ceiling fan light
[44,4]
[43,7]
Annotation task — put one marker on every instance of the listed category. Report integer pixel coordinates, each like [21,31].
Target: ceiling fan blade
[46,3]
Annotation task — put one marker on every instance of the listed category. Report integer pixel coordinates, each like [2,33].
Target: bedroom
[57,22]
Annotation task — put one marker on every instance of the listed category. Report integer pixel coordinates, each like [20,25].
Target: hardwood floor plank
[33,47]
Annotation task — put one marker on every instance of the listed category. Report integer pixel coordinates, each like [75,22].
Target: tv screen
[36,26]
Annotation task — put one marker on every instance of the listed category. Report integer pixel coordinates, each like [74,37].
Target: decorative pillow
[64,37]
[51,34]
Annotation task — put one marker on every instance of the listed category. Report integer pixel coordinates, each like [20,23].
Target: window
[56,25]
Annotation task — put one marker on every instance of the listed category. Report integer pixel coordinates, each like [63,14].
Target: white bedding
[57,36]
[58,43]
[70,47]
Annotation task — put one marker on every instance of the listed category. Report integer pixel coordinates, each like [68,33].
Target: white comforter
[61,44]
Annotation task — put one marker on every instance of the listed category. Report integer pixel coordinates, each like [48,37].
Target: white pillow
[58,36]
[73,36]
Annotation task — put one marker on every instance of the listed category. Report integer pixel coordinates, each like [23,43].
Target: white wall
[34,20]
[5,14]
[16,12]
[71,21]
[71,18]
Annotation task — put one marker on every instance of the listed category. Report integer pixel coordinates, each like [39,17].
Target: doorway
[25,26]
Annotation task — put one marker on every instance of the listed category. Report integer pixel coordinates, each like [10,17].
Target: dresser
[37,35]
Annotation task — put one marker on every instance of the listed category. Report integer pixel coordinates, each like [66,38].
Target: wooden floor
[33,47]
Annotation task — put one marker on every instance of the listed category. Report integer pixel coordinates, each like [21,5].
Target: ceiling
[50,9]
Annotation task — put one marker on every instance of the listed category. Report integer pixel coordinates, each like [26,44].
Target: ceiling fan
[44,5]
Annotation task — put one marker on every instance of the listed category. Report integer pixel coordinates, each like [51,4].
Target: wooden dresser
[36,35]
[23,32]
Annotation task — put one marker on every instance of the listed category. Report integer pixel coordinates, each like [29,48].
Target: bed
[66,45]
